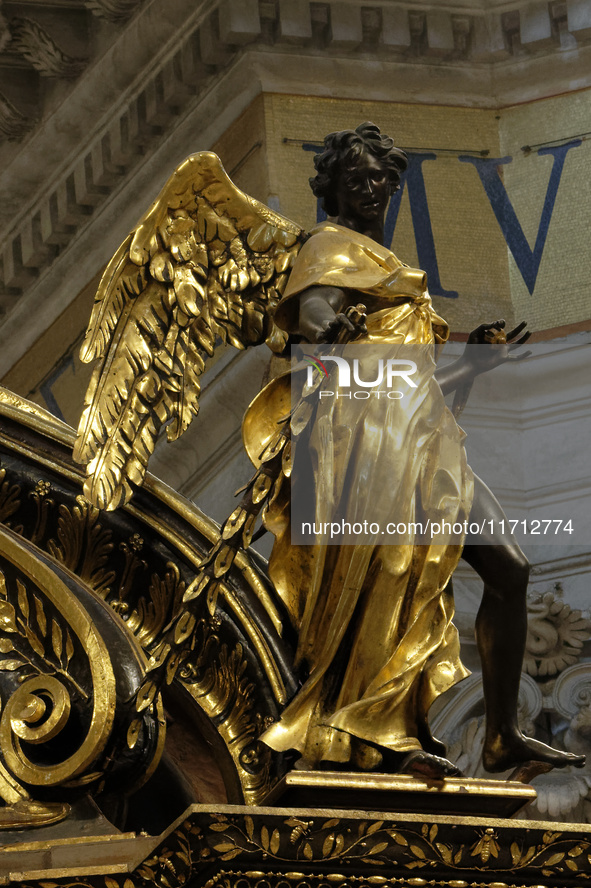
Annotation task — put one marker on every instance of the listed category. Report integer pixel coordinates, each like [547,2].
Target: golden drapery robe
[373,621]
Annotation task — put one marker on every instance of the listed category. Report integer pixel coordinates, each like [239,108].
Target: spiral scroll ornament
[58,685]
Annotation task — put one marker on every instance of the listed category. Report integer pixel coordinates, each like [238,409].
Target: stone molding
[165,64]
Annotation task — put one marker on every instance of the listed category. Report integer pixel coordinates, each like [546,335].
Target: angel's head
[357,171]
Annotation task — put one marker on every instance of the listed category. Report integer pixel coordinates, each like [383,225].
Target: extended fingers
[521,341]
[517,330]
[478,335]
[496,325]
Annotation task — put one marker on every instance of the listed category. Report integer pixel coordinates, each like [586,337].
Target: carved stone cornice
[173,60]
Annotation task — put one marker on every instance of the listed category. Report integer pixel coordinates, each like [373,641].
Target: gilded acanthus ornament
[236,676]
[62,693]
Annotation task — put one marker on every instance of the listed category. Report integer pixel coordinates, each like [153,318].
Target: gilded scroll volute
[62,687]
[133,568]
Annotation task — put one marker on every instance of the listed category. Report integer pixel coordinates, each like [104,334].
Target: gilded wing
[206,262]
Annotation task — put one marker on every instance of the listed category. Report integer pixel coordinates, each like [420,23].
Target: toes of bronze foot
[433,767]
[527,771]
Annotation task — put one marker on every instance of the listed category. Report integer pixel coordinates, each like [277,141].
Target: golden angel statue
[376,642]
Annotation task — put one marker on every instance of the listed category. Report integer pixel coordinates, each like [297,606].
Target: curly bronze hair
[342,149]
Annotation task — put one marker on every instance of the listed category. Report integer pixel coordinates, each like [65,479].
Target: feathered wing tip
[206,262]
[122,281]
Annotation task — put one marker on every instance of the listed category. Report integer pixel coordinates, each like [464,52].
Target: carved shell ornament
[555,637]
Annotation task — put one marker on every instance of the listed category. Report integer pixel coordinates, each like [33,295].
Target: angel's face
[363,191]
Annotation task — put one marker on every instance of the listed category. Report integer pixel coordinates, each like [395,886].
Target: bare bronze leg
[501,629]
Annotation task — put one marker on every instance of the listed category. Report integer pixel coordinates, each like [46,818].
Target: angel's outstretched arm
[473,362]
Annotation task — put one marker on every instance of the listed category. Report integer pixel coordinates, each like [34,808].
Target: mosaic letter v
[526,259]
